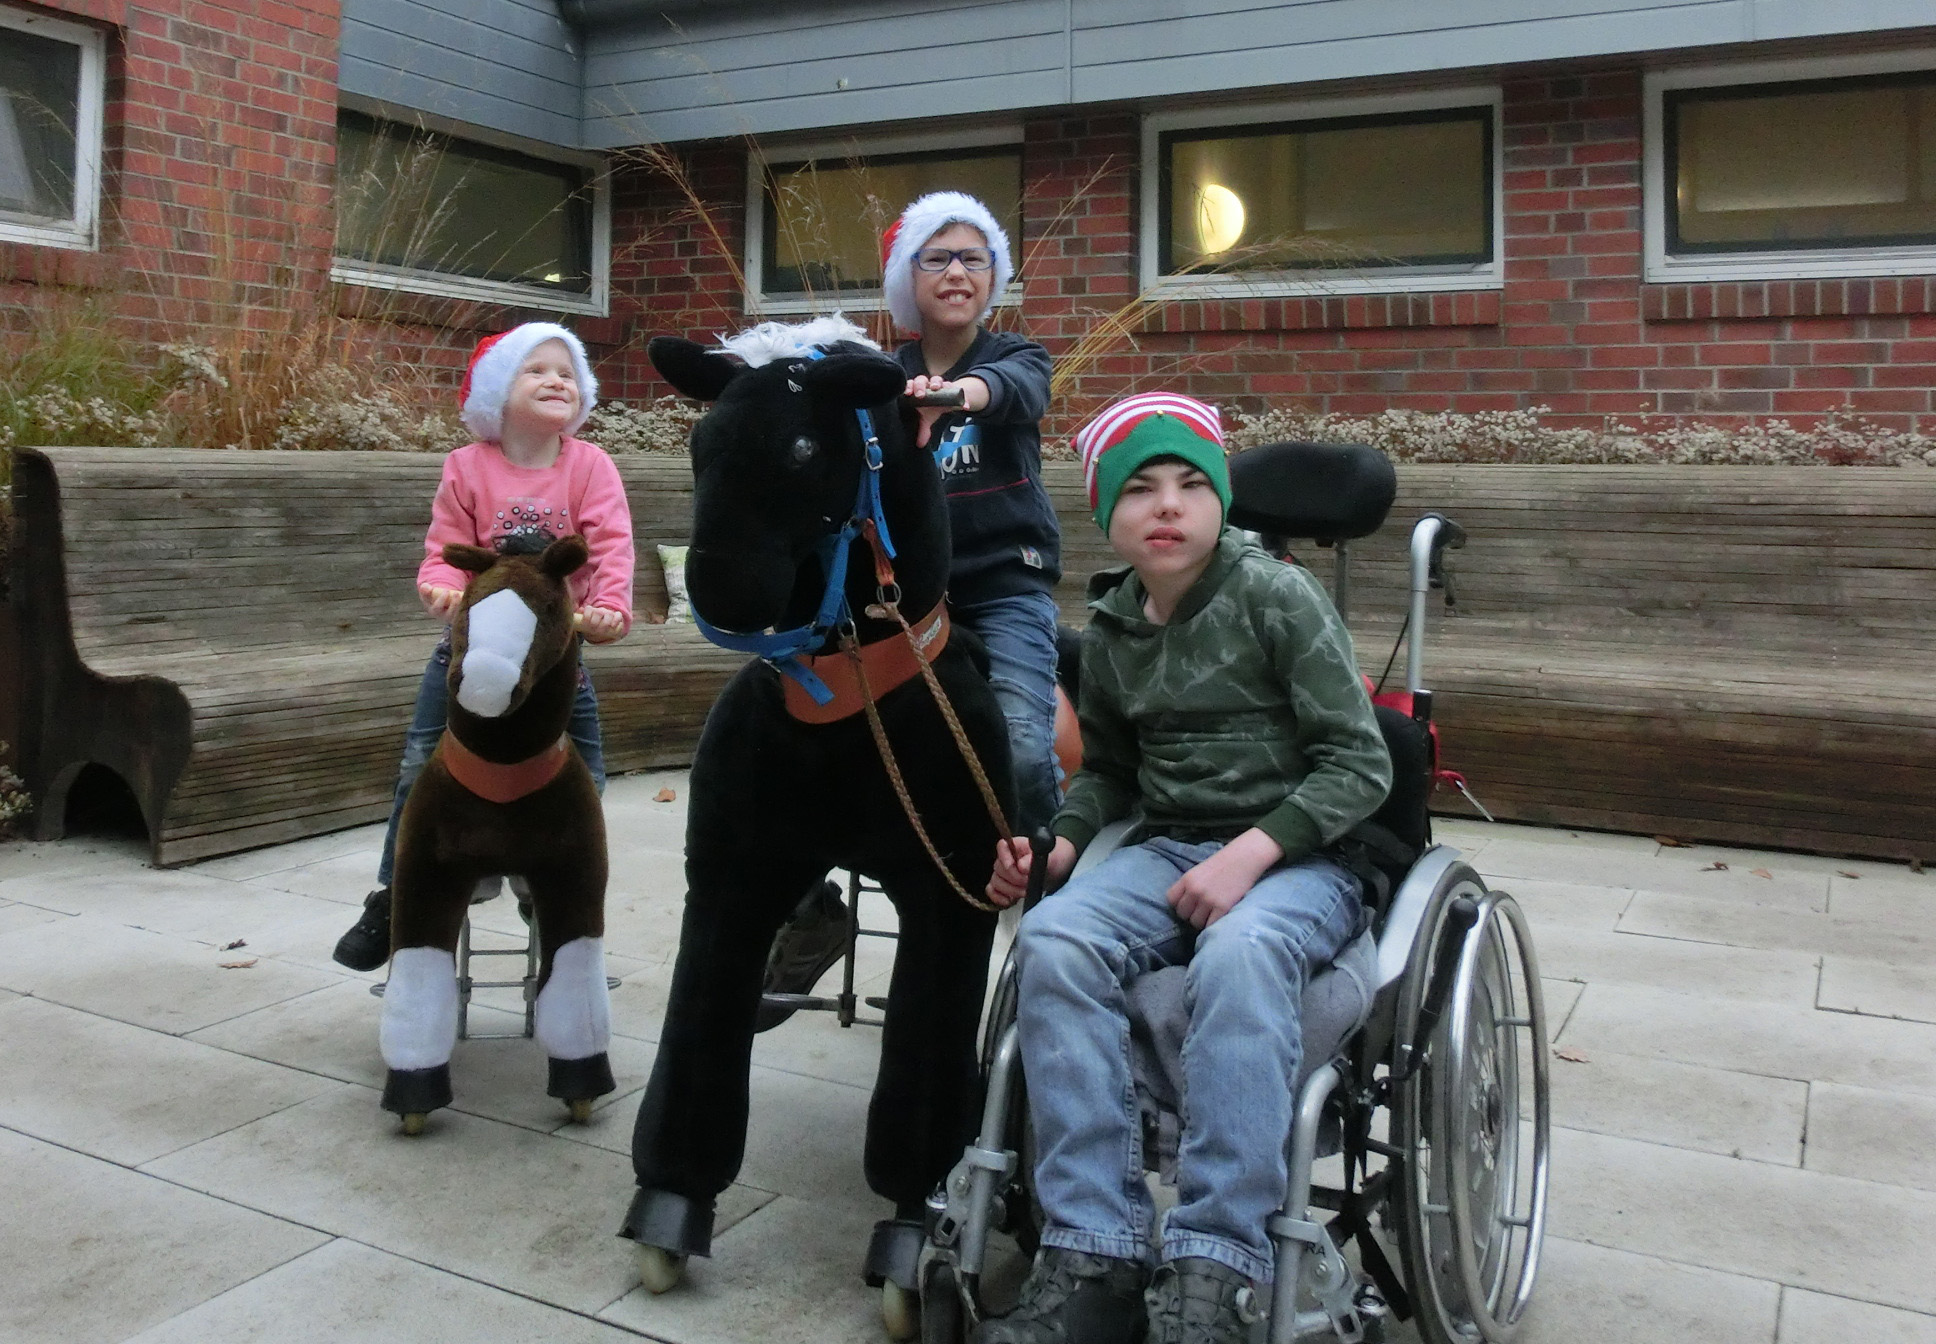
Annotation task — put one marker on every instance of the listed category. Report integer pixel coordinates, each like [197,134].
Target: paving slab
[17,916]
[186,904]
[86,853]
[97,1252]
[1875,1135]
[348,1293]
[1560,996]
[1816,1318]
[1612,958]
[1878,989]
[1760,1038]
[489,1201]
[333,1032]
[1707,872]
[1806,1228]
[149,979]
[124,1093]
[790,1274]
[342,879]
[1894,892]
[1891,940]
[1574,905]
[1597,1295]
[1715,1110]
[254,863]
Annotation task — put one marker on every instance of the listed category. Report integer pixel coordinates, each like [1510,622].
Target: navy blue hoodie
[1006,539]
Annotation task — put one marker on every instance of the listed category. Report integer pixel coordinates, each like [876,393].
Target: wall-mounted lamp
[1220,218]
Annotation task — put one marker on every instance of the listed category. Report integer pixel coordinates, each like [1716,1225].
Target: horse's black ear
[564,556]
[471,559]
[689,366]
[855,380]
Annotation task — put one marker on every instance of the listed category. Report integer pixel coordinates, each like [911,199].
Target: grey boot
[1072,1298]
[1199,1301]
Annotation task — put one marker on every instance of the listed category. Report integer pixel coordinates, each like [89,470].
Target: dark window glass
[1828,163]
[1412,189]
[40,93]
[433,203]
[824,219]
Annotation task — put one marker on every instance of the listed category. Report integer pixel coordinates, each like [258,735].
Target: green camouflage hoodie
[1246,709]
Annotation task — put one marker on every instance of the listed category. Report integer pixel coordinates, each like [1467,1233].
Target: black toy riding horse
[807,433]
[505,793]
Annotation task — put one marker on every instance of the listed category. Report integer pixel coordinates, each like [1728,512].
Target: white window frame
[1662,267]
[760,303]
[439,284]
[1330,282]
[81,229]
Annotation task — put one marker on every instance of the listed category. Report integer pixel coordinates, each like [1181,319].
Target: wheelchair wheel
[1470,1203]
[943,1318]
[1021,1216]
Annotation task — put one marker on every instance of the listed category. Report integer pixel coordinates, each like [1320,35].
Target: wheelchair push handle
[1040,845]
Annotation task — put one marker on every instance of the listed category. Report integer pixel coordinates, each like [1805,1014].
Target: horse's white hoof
[900,1311]
[660,1269]
[413,1123]
[581,1110]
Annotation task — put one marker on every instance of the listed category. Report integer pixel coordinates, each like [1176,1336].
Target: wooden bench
[1735,654]
[235,635]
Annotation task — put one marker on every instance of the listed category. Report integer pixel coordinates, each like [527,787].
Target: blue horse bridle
[784,649]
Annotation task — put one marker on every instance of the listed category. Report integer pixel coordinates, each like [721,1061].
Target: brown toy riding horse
[505,793]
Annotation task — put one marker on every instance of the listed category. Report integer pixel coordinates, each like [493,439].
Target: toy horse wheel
[581,1110]
[413,1123]
[900,1310]
[660,1269]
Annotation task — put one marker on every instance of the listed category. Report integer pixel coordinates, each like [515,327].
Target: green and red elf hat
[1131,432]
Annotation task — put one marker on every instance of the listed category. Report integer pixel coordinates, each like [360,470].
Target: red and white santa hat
[495,362]
[910,233]
[1128,433]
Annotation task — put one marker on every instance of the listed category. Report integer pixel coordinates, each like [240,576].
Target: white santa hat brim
[491,374]
[923,220]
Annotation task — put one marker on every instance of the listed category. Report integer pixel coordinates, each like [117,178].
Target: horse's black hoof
[894,1253]
[587,1077]
[671,1222]
[417,1091]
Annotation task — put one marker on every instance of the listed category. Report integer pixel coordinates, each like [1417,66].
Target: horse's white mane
[785,340]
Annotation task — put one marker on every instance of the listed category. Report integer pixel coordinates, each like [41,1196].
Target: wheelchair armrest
[1108,840]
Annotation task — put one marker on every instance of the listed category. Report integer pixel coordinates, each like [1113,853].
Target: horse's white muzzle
[501,628]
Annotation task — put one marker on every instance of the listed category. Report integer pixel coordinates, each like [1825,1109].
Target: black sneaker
[1199,1301]
[812,940]
[367,945]
[1073,1298]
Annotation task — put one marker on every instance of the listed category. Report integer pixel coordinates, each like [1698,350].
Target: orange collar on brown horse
[501,783]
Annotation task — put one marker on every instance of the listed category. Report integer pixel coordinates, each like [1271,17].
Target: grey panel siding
[744,71]
[764,69]
[510,65]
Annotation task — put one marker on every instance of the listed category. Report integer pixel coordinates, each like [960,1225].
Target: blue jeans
[427,726]
[1078,949]
[1020,634]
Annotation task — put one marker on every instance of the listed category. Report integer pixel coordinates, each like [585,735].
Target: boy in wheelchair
[1220,696]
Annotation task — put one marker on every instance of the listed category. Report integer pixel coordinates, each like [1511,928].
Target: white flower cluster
[1520,436]
[58,416]
[665,426]
[339,408]
[14,802]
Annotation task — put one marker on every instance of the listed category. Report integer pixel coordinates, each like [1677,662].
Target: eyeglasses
[939,258]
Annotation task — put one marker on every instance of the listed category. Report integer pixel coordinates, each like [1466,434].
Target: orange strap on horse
[500,783]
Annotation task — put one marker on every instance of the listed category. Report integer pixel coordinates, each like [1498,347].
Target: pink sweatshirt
[483,499]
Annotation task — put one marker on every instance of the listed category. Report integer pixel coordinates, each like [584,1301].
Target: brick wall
[1573,329]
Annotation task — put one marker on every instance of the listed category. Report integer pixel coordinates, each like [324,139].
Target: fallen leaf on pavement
[1673,842]
[239,965]
[1853,877]
[1570,1055]
[665,796]
[1762,872]
[1716,867]
[1915,865]
[239,942]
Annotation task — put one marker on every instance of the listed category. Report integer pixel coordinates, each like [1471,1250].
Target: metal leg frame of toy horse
[418,1032]
[574,1025]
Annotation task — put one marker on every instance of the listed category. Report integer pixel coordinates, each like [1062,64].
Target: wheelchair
[1424,1081]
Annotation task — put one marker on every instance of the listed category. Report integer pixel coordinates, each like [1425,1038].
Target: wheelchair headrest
[1315,491]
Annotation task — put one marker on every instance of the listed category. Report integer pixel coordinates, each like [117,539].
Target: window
[819,217]
[1769,176]
[421,210]
[1340,197]
[50,130]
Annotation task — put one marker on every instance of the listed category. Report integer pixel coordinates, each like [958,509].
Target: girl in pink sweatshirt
[524,484]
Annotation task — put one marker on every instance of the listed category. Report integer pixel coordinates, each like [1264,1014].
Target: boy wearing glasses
[944,264]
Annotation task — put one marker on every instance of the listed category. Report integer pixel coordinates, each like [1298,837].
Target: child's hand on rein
[600,625]
[1211,890]
[439,602]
